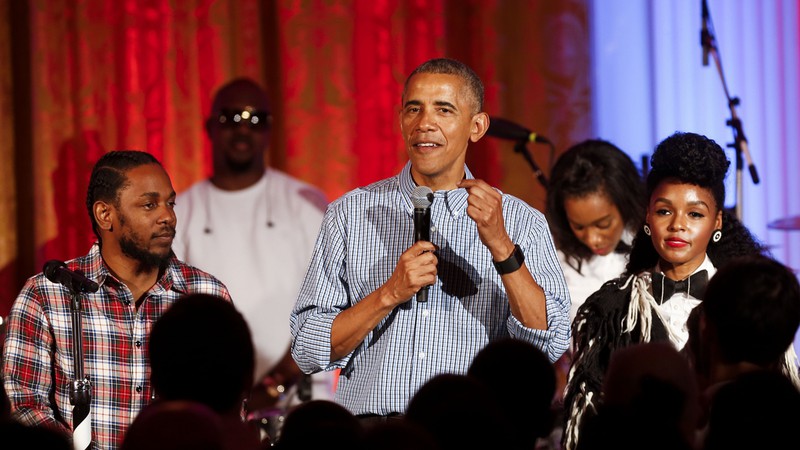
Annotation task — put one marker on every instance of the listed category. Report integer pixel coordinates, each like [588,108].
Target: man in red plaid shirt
[130,202]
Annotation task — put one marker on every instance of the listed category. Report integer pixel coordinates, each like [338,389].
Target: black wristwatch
[512,264]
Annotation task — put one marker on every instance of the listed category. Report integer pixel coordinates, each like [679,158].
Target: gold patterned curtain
[8,202]
[80,78]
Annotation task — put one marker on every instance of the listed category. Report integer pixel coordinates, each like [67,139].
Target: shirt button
[425,313]
[138,389]
[421,355]
[138,344]
[433,229]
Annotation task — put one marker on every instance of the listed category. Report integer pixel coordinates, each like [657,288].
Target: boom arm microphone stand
[505,129]
[708,42]
[521,147]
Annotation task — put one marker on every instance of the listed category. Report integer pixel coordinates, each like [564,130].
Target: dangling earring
[716,236]
[646,229]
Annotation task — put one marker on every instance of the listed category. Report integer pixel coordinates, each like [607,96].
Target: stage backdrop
[80,78]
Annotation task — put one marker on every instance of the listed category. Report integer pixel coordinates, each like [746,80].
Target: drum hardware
[786,224]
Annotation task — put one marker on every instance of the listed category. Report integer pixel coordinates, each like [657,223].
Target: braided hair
[109,177]
[593,167]
[694,159]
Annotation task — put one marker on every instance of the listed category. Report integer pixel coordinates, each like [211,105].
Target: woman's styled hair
[694,159]
[591,167]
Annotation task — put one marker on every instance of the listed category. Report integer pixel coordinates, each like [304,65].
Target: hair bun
[690,157]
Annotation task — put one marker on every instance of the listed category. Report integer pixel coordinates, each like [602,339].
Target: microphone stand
[708,41]
[304,388]
[80,395]
[521,147]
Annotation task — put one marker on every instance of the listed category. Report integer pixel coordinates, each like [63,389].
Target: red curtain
[80,78]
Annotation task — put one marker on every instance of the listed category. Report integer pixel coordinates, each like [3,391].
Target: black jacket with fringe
[597,333]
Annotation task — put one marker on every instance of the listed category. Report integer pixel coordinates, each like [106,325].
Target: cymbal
[788,223]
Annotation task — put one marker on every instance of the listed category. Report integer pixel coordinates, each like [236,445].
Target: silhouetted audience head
[201,350]
[523,382]
[651,400]
[460,413]
[751,312]
[175,425]
[619,428]
[654,381]
[318,424]
[14,435]
[759,409]
[400,434]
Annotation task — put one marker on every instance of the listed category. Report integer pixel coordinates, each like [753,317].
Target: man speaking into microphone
[489,267]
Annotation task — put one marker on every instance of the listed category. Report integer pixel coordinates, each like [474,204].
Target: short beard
[147,261]
[240,166]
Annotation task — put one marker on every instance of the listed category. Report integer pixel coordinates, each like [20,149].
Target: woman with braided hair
[686,236]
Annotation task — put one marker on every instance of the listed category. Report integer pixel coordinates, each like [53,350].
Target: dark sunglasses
[256,120]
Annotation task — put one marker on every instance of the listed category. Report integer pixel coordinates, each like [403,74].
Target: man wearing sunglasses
[254,227]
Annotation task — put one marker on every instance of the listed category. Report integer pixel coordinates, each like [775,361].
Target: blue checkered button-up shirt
[362,236]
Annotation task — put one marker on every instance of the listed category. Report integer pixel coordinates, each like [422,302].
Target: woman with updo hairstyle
[686,236]
[595,204]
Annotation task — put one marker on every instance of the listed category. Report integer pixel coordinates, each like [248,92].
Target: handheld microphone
[705,37]
[421,198]
[57,272]
[506,129]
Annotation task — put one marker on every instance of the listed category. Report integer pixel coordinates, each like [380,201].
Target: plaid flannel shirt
[38,365]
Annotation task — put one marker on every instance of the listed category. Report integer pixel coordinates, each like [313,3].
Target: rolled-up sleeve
[542,261]
[323,295]
[27,361]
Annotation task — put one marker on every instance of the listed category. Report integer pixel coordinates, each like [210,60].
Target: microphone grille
[422,197]
[50,268]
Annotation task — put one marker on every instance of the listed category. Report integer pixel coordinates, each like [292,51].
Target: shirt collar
[454,200]
[706,265]
[92,266]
